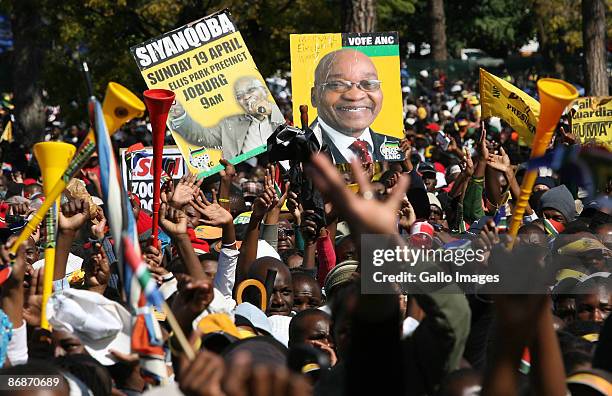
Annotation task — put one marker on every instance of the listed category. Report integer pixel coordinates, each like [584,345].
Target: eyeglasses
[241,94]
[285,232]
[342,86]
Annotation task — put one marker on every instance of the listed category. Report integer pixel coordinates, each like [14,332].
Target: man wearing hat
[558,204]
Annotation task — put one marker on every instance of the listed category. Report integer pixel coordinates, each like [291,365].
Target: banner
[501,99]
[350,82]
[592,120]
[137,171]
[222,102]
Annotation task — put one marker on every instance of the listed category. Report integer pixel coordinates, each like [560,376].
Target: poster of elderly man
[223,108]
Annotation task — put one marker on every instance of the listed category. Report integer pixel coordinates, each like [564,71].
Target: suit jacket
[229,133]
[380,151]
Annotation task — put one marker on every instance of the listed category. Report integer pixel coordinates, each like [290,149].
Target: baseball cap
[247,314]
[426,169]
[433,200]
[421,234]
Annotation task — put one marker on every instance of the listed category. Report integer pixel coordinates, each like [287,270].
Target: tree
[594,38]
[439,51]
[359,16]
[29,53]
[102,31]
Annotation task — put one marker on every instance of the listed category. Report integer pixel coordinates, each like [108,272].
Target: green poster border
[236,160]
[377,50]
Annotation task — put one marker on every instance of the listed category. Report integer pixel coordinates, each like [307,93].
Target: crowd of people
[311,329]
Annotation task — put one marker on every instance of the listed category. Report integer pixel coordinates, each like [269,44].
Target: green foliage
[496,26]
[102,31]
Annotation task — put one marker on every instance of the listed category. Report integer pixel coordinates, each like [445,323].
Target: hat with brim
[340,274]
[247,314]
[590,380]
[584,245]
[218,332]
[208,232]
[99,323]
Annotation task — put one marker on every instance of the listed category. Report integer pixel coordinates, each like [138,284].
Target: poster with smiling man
[351,82]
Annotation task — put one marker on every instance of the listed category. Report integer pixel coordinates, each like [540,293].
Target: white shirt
[343,142]
[257,135]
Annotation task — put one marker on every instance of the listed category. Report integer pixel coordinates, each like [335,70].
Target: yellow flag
[501,99]
[8,133]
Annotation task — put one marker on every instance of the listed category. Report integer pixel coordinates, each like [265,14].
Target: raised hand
[152,256]
[467,165]
[295,208]
[406,147]
[391,182]
[228,172]
[328,349]
[267,199]
[97,273]
[202,376]
[243,379]
[213,214]
[17,177]
[407,216]
[97,230]
[499,162]
[73,215]
[193,297]
[33,303]
[21,209]
[365,214]
[173,221]
[185,191]
[15,281]
[309,228]
[481,147]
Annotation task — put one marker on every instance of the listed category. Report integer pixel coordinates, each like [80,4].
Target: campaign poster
[351,84]
[137,171]
[592,120]
[222,106]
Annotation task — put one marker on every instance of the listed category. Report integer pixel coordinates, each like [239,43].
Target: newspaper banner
[223,106]
[351,84]
[137,171]
[592,120]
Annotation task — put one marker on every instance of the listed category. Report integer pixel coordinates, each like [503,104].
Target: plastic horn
[158,103]
[555,95]
[260,286]
[120,105]
[53,158]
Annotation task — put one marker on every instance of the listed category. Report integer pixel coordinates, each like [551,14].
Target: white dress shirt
[258,134]
[343,142]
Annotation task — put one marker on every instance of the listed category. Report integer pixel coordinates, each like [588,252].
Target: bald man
[348,96]
[238,133]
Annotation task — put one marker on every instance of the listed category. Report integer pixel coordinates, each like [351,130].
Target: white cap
[101,324]
[279,326]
